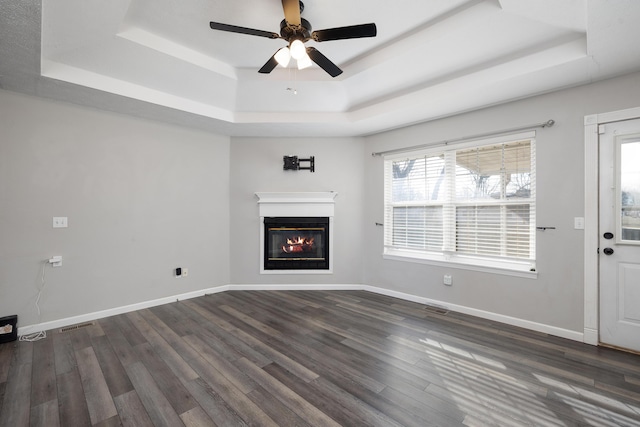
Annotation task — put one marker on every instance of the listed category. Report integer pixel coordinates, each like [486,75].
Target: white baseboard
[539,327]
[591,336]
[514,321]
[296,287]
[68,321]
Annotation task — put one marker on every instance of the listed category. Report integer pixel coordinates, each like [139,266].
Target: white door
[620,234]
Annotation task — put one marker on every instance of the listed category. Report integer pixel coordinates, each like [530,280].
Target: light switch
[60,222]
[578,223]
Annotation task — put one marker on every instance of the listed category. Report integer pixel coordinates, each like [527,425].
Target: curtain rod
[546,124]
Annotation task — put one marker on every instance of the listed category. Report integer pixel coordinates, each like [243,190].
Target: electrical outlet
[448,280]
[60,222]
[185,272]
[56,261]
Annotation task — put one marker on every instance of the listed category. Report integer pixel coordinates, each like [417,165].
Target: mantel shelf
[297,197]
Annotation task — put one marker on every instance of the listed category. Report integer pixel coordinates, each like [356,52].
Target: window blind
[475,201]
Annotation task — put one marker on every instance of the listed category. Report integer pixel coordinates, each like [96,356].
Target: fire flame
[298,244]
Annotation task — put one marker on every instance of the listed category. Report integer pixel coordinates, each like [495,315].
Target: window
[471,204]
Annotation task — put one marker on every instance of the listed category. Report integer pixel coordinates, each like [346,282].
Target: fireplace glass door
[296,243]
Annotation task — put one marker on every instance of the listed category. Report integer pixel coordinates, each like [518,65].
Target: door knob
[608,251]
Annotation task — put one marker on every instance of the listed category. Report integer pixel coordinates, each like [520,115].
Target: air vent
[437,309]
[78,326]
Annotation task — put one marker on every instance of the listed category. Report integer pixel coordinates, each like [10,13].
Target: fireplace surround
[296,243]
[296,232]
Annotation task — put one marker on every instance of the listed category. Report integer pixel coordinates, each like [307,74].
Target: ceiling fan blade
[270,65]
[323,62]
[350,32]
[243,30]
[291,11]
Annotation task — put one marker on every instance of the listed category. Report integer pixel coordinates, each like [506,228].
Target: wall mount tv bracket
[293,163]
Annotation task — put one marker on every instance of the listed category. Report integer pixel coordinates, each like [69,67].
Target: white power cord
[37,336]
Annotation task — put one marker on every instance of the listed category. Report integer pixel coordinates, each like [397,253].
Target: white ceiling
[159,59]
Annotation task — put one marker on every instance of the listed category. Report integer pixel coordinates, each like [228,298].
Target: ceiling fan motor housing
[292,32]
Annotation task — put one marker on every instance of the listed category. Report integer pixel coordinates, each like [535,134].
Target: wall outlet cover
[60,222]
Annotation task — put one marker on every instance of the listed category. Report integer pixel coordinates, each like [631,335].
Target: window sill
[504,267]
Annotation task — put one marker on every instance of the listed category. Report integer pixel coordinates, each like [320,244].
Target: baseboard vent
[78,326]
[437,309]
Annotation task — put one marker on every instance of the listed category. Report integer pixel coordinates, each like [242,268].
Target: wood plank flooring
[312,358]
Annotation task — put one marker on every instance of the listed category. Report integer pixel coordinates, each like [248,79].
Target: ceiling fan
[296,30]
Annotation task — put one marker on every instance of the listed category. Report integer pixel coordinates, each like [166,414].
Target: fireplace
[296,232]
[296,243]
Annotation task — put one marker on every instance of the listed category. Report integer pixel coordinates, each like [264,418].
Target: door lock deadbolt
[608,235]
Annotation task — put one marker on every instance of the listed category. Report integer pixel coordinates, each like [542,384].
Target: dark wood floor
[315,358]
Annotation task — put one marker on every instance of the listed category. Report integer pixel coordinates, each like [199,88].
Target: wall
[256,166]
[555,297]
[141,198]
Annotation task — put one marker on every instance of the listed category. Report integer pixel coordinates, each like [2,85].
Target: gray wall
[256,166]
[141,197]
[556,297]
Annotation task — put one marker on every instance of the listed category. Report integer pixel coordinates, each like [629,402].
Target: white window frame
[515,267]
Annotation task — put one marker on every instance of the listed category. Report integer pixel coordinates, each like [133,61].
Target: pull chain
[295,81]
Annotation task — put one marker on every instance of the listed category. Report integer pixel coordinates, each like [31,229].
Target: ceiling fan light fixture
[283,56]
[296,30]
[304,62]
[297,49]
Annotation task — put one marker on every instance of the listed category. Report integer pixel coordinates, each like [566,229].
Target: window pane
[417,227]
[518,186]
[630,186]
[418,179]
[478,173]
[494,172]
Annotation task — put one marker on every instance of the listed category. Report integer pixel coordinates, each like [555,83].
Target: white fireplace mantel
[311,204]
[297,204]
